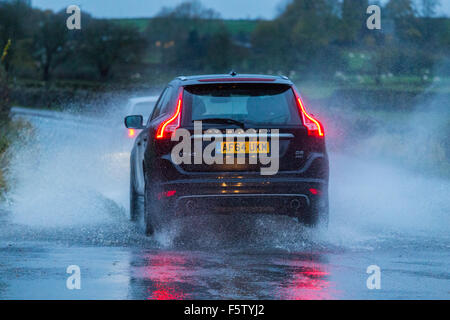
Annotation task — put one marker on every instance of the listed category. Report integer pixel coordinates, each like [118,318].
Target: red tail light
[315,191]
[168,127]
[166,194]
[313,125]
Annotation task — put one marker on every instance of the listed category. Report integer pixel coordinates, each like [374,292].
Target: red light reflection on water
[165,270]
[165,292]
[308,281]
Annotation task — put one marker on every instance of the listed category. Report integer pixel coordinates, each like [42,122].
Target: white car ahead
[139,106]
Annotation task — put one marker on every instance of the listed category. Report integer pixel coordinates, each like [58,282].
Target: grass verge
[10,132]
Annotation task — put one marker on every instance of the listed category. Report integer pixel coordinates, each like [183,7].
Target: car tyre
[318,216]
[134,199]
[150,212]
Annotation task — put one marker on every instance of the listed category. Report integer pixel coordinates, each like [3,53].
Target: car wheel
[134,200]
[310,219]
[317,216]
[150,212]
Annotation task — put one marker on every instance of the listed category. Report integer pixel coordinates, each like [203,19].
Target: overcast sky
[229,9]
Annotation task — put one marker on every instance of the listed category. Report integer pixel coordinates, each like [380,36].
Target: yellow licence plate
[244,147]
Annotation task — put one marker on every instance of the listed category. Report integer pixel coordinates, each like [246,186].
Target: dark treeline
[308,38]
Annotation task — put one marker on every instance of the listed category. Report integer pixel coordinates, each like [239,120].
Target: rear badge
[299,154]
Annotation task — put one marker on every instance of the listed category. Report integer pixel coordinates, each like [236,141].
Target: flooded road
[69,206]
[37,270]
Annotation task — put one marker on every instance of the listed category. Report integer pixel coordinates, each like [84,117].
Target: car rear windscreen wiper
[222,121]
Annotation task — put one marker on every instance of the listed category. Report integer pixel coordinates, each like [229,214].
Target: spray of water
[74,177]
[393,182]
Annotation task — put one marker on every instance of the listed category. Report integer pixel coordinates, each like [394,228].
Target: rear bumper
[287,204]
[280,196]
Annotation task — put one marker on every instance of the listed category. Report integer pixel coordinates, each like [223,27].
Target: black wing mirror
[134,122]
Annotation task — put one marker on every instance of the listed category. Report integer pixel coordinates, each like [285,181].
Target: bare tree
[105,43]
[50,41]
[429,7]
[400,9]
[193,9]
[15,21]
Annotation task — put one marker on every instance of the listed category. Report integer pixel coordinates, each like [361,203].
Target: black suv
[244,119]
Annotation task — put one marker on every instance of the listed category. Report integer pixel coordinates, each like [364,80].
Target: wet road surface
[68,207]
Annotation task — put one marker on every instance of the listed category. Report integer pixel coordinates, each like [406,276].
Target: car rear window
[259,104]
